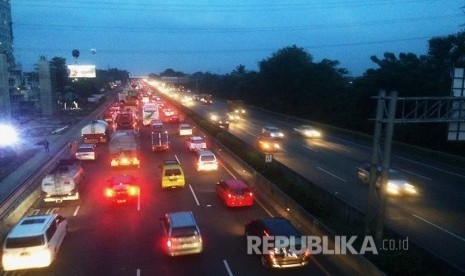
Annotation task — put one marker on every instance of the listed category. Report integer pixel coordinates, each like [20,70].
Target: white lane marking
[251,134]
[138,272]
[227,268]
[76,211]
[229,171]
[195,197]
[333,175]
[417,174]
[439,227]
[35,212]
[352,143]
[52,211]
[312,149]
[432,167]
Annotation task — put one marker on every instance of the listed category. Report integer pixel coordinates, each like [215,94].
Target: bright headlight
[392,188]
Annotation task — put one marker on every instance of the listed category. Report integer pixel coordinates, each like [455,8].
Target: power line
[238,29]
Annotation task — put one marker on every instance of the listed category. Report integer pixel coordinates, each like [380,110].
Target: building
[7,61]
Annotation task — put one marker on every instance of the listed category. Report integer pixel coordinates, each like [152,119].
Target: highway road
[126,239]
[433,218]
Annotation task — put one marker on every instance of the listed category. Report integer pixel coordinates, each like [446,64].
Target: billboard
[81,71]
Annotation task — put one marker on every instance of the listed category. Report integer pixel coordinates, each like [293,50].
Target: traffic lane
[341,180]
[231,221]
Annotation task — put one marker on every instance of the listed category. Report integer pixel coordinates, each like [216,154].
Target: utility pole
[386,165]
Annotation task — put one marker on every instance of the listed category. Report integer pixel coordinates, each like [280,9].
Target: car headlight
[392,188]
[409,188]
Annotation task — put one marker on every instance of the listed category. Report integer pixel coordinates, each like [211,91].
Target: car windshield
[241,191]
[25,241]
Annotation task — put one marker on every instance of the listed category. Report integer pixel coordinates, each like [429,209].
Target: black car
[294,255]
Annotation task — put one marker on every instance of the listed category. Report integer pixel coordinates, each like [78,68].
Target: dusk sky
[150,36]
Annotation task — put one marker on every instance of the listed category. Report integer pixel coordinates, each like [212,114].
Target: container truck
[62,183]
[95,132]
[124,149]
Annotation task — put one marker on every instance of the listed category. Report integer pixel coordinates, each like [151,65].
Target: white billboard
[81,71]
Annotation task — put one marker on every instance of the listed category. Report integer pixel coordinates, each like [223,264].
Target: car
[34,242]
[174,119]
[185,130]
[122,188]
[168,112]
[234,193]
[196,143]
[181,234]
[269,144]
[206,161]
[233,117]
[172,175]
[397,182]
[86,152]
[293,255]
[219,120]
[272,131]
[308,131]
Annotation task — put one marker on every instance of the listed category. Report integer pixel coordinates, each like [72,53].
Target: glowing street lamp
[8,135]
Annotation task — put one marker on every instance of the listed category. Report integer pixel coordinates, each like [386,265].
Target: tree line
[290,81]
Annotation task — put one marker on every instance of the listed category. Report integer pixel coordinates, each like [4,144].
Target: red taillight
[109,192]
[168,243]
[229,195]
[250,194]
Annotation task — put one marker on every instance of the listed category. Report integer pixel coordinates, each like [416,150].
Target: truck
[95,132]
[124,149]
[126,120]
[236,106]
[62,183]
[149,113]
[160,141]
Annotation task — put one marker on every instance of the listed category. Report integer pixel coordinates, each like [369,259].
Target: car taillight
[133,190]
[250,194]
[229,195]
[109,192]
[168,243]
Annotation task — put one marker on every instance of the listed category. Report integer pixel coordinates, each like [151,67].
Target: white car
[397,183]
[86,152]
[308,131]
[185,130]
[272,131]
[206,161]
[34,242]
[196,143]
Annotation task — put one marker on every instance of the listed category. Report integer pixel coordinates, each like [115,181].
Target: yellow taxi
[172,175]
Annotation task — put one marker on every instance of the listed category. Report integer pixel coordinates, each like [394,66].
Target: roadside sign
[268,158]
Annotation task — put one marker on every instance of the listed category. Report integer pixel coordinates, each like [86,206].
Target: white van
[34,242]
[206,161]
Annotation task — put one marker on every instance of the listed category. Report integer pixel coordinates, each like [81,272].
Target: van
[34,242]
[172,174]
[206,161]
[181,235]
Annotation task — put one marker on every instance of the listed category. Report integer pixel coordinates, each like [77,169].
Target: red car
[122,189]
[234,193]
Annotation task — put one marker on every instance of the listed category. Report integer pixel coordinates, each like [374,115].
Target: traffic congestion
[133,200]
